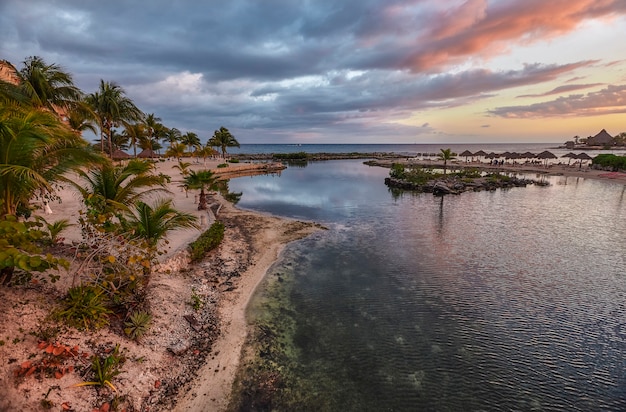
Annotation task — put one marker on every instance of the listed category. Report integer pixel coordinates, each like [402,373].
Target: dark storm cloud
[281,66]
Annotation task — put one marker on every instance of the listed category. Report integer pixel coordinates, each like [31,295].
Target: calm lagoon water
[488,301]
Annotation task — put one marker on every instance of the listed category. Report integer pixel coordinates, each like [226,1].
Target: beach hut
[147,154]
[120,155]
[481,153]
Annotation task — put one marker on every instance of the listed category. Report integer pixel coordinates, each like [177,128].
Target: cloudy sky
[344,71]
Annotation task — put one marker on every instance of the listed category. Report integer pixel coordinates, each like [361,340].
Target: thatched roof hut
[148,154]
[601,139]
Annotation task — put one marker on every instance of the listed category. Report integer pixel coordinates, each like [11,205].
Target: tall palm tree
[154,128]
[222,138]
[48,85]
[112,107]
[81,118]
[191,140]
[119,187]
[172,135]
[177,150]
[36,150]
[135,132]
[445,155]
[152,223]
[204,179]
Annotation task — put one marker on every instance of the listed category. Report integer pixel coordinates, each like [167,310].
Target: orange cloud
[474,29]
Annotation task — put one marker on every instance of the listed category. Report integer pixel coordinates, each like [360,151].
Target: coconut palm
[445,155]
[152,223]
[172,135]
[222,138]
[81,118]
[117,188]
[204,179]
[36,150]
[135,132]
[48,85]
[205,151]
[191,140]
[177,150]
[154,128]
[112,106]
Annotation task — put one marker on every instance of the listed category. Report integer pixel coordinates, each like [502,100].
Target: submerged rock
[453,185]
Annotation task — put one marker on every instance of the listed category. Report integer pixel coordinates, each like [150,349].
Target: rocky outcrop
[453,186]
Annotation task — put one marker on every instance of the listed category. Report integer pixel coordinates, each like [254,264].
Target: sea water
[486,301]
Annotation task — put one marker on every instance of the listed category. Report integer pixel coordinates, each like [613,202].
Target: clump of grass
[84,308]
[137,325]
[105,369]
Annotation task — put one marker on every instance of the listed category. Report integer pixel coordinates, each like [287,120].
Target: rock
[179,347]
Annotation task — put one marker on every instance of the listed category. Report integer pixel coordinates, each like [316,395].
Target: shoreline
[202,375]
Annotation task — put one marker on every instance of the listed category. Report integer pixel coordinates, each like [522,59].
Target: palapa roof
[602,138]
[120,154]
[147,154]
[466,153]
[546,155]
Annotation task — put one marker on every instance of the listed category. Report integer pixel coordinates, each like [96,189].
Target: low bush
[610,161]
[137,325]
[222,165]
[290,156]
[84,308]
[233,160]
[207,241]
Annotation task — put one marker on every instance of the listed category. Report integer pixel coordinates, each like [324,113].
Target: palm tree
[204,179]
[177,150]
[119,187]
[172,135]
[205,151]
[222,138]
[81,118]
[152,223]
[154,129]
[191,140]
[36,150]
[135,132]
[48,85]
[112,106]
[445,155]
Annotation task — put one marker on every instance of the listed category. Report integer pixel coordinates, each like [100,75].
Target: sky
[344,71]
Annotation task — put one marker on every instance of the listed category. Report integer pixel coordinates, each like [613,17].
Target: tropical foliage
[222,139]
[202,180]
[445,155]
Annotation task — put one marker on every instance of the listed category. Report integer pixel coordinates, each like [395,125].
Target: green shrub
[137,325]
[105,369]
[207,241]
[233,160]
[84,308]
[221,165]
[610,160]
[290,156]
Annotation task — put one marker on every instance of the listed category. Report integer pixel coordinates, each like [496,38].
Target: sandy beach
[188,359]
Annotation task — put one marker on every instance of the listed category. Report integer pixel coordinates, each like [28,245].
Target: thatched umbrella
[581,157]
[545,155]
[466,154]
[480,153]
[571,156]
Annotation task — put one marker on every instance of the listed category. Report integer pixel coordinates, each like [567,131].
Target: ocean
[485,301]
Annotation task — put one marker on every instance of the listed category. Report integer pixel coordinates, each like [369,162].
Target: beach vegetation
[152,223]
[614,162]
[84,307]
[111,188]
[196,300]
[222,165]
[191,141]
[207,241]
[446,155]
[21,254]
[55,228]
[222,139]
[137,324]
[205,152]
[47,86]
[290,156]
[112,106]
[203,180]
[105,368]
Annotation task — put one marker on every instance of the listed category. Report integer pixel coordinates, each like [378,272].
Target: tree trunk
[202,201]
[6,274]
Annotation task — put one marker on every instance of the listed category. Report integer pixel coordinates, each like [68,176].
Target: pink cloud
[606,101]
[562,89]
[477,29]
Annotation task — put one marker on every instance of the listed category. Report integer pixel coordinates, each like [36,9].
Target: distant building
[601,139]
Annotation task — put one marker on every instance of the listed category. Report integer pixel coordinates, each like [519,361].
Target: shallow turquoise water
[506,300]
